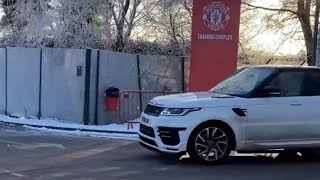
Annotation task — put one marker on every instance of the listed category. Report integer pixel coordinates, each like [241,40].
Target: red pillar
[214,45]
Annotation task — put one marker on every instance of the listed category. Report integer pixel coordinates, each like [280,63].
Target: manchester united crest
[216,16]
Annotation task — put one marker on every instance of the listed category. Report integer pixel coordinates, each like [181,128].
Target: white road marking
[11,173]
[105,169]
[38,145]
[161,169]
[54,176]
[125,173]
[32,147]
[86,152]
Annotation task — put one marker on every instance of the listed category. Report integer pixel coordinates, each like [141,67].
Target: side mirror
[270,92]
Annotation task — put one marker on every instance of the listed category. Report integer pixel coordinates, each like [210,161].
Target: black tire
[311,154]
[193,139]
[288,155]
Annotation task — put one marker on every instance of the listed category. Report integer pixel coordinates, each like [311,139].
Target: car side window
[312,84]
[289,83]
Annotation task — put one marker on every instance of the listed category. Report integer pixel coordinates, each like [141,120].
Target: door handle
[296,104]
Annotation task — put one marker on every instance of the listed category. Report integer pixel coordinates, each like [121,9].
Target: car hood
[198,99]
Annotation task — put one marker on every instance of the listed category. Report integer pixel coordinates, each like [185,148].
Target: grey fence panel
[63,84]
[59,83]
[160,73]
[166,71]
[186,72]
[119,70]
[23,82]
[2,81]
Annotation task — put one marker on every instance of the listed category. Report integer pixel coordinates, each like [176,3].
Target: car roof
[286,67]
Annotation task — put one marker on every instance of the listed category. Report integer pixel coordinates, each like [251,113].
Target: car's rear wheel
[312,154]
[210,143]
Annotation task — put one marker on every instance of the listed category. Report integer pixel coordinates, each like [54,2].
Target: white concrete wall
[23,81]
[62,90]
[160,73]
[2,81]
[164,70]
[119,70]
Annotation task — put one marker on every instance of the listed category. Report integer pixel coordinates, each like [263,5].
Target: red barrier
[132,103]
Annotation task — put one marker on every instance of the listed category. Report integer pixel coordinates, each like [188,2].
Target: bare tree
[170,23]
[188,6]
[124,13]
[291,13]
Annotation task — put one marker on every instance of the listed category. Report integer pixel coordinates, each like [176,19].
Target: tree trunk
[309,44]
[119,43]
[318,53]
[316,35]
[304,18]
[120,22]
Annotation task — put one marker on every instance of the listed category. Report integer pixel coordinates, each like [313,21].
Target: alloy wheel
[211,144]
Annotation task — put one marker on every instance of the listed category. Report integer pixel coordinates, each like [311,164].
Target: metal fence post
[6,81]
[183,80]
[139,83]
[87,88]
[40,86]
[96,108]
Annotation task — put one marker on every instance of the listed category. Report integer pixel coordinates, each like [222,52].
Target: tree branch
[271,9]
[133,16]
[189,9]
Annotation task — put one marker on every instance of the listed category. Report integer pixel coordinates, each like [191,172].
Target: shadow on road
[239,160]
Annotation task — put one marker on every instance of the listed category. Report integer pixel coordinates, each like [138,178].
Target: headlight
[178,111]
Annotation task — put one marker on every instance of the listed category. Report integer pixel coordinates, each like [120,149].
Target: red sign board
[215,37]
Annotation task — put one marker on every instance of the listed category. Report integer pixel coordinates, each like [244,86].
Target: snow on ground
[57,126]
[84,134]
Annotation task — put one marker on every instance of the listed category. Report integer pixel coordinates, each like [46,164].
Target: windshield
[243,82]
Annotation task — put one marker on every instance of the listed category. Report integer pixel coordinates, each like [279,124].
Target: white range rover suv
[260,108]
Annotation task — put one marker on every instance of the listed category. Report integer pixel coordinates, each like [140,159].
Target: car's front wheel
[210,143]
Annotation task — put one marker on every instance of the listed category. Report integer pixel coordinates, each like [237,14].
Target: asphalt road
[29,154]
